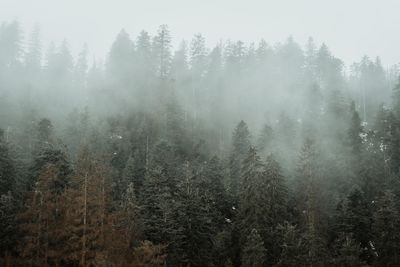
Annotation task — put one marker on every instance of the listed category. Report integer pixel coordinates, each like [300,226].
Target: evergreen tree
[253,254]
[291,246]
[42,219]
[355,219]
[212,191]
[192,228]
[276,203]
[253,210]
[119,63]
[240,148]
[8,227]
[396,99]
[276,190]
[156,203]
[198,55]
[385,228]
[34,55]
[162,51]
[355,133]
[10,46]
[7,167]
[133,173]
[90,225]
[148,255]
[309,205]
[265,139]
[349,254]
[81,67]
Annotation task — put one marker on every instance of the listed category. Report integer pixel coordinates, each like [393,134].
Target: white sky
[351,28]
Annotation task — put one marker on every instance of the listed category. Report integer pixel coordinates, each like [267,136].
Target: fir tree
[385,228]
[349,253]
[291,246]
[7,168]
[240,147]
[253,254]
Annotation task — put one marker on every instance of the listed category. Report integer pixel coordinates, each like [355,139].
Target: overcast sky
[351,28]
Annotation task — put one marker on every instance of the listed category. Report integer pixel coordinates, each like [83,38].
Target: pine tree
[132,221]
[373,171]
[198,56]
[156,203]
[162,51]
[7,168]
[212,191]
[192,227]
[126,226]
[349,253]
[396,99]
[240,148]
[81,67]
[10,45]
[148,255]
[276,190]
[8,227]
[308,183]
[309,198]
[146,64]
[89,224]
[175,127]
[119,63]
[133,173]
[253,210]
[355,219]
[34,55]
[179,64]
[291,246]
[354,133]
[393,146]
[276,202]
[43,219]
[265,139]
[253,254]
[49,156]
[385,228]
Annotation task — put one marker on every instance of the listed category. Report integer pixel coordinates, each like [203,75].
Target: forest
[244,154]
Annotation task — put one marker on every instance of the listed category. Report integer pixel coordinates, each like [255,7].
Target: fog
[199,134]
[345,25]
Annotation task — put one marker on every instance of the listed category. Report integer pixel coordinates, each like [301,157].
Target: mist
[199,134]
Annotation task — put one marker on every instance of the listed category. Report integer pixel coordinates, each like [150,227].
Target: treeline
[146,171]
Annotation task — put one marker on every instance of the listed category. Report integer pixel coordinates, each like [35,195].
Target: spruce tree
[253,253]
[309,205]
[157,206]
[385,230]
[7,167]
[354,134]
[212,190]
[396,99]
[291,246]
[240,147]
[192,228]
[348,253]
[355,219]
[8,227]
[161,48]
[253,207]
[277,201]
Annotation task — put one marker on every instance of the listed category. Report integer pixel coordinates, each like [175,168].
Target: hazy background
[346,26]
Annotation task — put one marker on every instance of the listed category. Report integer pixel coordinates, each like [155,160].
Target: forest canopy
[241,154]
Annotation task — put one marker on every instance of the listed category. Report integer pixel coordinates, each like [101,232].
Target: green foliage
[253,254]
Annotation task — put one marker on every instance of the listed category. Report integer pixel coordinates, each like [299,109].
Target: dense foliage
[240,155]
